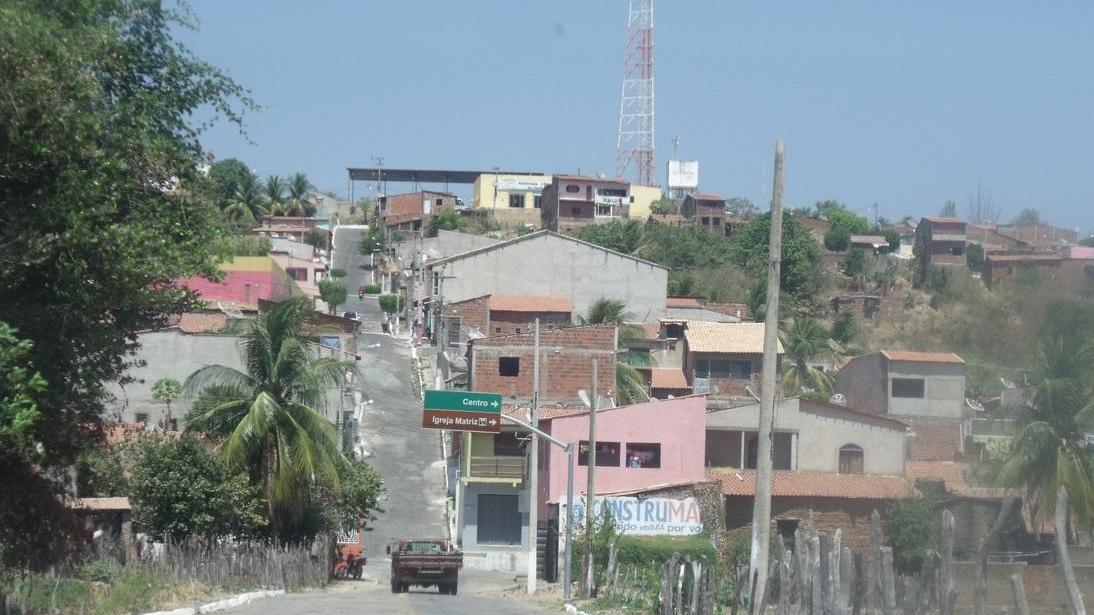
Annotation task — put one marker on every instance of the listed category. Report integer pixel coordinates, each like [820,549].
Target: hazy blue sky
[903,104]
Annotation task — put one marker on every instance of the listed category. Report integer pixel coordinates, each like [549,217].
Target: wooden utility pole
[590,488]
[1063,556]
[761,508]
[533,474]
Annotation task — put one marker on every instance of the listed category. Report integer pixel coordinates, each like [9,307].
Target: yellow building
[514,199]
[642,197]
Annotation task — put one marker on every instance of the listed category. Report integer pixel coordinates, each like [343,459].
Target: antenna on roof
[231,311]
[1007,384]
[838,400]
[974,405]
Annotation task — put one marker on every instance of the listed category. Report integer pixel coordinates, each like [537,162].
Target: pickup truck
[424,563]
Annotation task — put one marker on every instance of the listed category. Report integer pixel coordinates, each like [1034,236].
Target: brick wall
[472,313]
[935,439]
[822,515]
[508,323]
[566,360]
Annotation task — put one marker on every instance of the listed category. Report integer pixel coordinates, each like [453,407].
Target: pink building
[638,446]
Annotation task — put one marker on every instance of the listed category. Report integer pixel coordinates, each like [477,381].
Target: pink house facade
[638,447]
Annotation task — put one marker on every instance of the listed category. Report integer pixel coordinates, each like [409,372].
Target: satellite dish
[1007,384]
[975,405]
[231,311]
[838,399]
[583,395]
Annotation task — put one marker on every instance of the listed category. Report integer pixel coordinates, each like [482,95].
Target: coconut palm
[247,204]
[605,310]
[803,341]
[299,188]
[268,414]
[630,385]
[1048,450]
[275,190]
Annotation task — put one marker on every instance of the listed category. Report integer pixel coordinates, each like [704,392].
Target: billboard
[684,174]
[644,516]
[527,184]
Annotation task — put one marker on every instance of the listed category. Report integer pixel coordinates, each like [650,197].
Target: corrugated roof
[683,302]
[922,357]
[652,330]
[816,485]
[101,504]
[531,237]
[668,378]
[735,338]
[530,303]
[739,310]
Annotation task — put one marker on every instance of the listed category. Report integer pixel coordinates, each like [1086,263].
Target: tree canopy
[104,204]
[844,223]
[801,257]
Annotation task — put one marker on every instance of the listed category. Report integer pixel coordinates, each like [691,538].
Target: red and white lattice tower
[634,150]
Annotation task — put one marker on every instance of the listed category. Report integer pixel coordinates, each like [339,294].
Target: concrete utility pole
[533,475]
[761,509]
[590,489]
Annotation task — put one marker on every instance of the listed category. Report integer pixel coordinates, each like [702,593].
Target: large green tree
[271,412]
[103,204]
[248,203]
[225,177]
[800,273]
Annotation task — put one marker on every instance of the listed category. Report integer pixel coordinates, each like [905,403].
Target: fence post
[816,600]
[888,582]
[945,599]
[847,582]
[1018,589]
[873,562]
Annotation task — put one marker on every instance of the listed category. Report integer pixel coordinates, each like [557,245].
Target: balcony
[495,470]
[957,237]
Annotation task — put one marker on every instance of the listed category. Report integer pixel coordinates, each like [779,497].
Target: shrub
[337,273]
[392,303]
[845,329]
[372,289]
[912,532]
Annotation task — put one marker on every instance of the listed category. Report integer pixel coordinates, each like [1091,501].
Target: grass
[118,594]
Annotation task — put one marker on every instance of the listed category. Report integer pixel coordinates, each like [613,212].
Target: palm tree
[275,191]
[299,187]
[268,414]
[1047,452]
[605,310]
[630,385]
[246,204]
[803,341]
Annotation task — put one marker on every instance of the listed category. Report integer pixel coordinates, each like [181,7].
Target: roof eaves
[535,235]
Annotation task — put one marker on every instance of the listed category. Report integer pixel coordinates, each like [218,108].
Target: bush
[391,304]
[845,329]
[333,292]
[337,273]
[974,256]
[372,289]
[912,532]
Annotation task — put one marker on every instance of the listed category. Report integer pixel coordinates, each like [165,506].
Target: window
[787,528]
[299,274]
[957,250]
[537,201]
[619,192]
[509,366]
[850,459]
[572,189]
[436,283]
[723,368]
[454,331]
[716,221]
[603,209]
[142,418]
[908,387]
[643,455]
[516,200]
[173,425]
[507,444]
[498,520]
[439,202]
[517,330]
[575,211]
[497,329]
[706,221]
[607,454]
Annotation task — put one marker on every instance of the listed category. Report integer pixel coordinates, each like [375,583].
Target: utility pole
[590,489]
[379,174]
[533,475]
[761,509]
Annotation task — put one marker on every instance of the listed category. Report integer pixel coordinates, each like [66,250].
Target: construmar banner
[643,516]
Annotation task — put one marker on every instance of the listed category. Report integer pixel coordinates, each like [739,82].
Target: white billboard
[645,516]
[684,174]
[523,185]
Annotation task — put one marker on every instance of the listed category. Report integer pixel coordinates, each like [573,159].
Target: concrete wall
[943,390]
[549,265]
[677,425]
[820,432]
[644,196]
[483,193]
[169,354]
[863,382]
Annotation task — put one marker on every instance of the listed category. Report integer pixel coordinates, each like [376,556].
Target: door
[499,520]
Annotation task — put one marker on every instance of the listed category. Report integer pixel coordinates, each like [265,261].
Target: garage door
[499,520]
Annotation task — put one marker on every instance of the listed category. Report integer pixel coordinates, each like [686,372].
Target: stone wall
[820,515]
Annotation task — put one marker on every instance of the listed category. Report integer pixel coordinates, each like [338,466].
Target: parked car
[351,316]
[425,563]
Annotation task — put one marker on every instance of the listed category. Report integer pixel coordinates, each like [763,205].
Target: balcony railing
[497,467]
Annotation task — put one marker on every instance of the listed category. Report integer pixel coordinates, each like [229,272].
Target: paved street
[409,459]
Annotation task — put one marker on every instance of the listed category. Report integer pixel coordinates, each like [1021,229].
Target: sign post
[462,411]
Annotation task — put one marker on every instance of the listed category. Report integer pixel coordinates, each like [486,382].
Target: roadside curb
[220,605]
[573,610]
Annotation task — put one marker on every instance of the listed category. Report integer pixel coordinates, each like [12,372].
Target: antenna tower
[634,149]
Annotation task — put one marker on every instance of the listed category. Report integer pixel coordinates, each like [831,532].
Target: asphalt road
[409,459]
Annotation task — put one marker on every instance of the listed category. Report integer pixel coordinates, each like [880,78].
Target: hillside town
[512,391]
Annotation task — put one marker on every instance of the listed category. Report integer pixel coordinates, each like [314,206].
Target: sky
[902,104]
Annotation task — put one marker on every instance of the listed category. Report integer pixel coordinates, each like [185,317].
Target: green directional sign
[463,401]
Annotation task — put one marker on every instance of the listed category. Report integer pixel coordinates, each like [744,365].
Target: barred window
[723,368]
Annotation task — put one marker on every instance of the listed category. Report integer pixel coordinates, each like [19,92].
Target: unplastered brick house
[724,359]
[501,315]
[707,211]
[926,390]
[939,241]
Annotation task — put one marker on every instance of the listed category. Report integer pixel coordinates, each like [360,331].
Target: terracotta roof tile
[870,239]
[726,338]
[651,329]
[943,220]
[705,197]
[922,357]
[739,310]
[952,479]
[683,302]
[202,323]
[1024,258]
[668,378]
[530,303]
[816,485]
[101,504]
